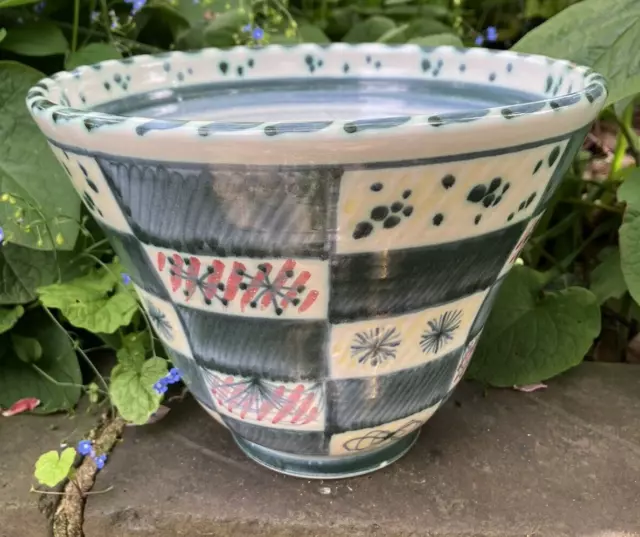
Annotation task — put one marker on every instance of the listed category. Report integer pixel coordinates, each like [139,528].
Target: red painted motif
[268,287]
[256,400]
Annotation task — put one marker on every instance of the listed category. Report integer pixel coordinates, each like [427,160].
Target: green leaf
[15,3]
[133,351]
[27,349]
[3,33]
[92,53]
[22,270]
[629,232]
[36,39]
[427,27]
[437,40]
[310,33]
[221,30]
[532,335]
[97,301]
[58,361]
[607,279]
[395,35]
[611,49]
[51,468]
[369,30]
[9,317]
[132,392]
[29,169]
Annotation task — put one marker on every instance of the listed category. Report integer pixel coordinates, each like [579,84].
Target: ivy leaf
[131,389]
[96,301]
[28,169]
[532,335]
[437,40]
[369,30]
[611,49]
[20,380]
[27,349]
[629,232]
[9,317]
[92,53]
[309,33]
[36,39]
[607,279]
[133,351]
[52,468]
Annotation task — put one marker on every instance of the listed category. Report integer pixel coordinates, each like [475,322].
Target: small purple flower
[100,460]
[39,7]
[1,235]
[247,28]
[136,5]
[258,33]
[95,16]
[126,279]
[479,40]
[84,447]
[160,387]
[492,34]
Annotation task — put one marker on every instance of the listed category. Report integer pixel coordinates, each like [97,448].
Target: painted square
[408,207]
[87,179]
[165,322]
[387,344]
[247,287]
[278,405]
[362,440]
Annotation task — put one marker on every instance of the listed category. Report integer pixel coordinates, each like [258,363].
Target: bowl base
[311,467]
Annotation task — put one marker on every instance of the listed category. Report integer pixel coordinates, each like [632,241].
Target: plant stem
[76,23]
[630,136]
[622,140]
[61,384]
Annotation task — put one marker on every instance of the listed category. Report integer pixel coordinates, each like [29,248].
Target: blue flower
[136,5]
[258,33]
[84,447]
[160,387]
[39,7]
[479,40]
[100,460]
[1,235]
[126,279]
[173,376]
[247,28]
[95,16]
[492,34]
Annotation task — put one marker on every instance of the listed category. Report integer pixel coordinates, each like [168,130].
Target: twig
[89,493]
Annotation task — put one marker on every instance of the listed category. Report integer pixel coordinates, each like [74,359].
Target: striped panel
[369,402]
[485,309]
[297,442]
[241,212]
[270,348]
[136,262]
[242,286]
[388,283]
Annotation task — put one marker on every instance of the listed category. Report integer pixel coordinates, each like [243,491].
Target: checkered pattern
[316,311]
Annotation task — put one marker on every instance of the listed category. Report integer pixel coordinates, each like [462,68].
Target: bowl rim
[64,123]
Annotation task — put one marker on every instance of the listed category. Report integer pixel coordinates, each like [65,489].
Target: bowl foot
[311,467]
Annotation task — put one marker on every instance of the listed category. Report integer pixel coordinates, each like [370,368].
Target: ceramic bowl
[318,233]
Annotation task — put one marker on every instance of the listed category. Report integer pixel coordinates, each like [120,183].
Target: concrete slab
[563,462]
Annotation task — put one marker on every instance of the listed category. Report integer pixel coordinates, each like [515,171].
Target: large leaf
[532,335]
[92,53]
[132,390]
[425,27]
[58,360]
[369,30]
[52,468]
[36,39]
[608,44]
[220,32]
[22,271]
[607,279]
[437,40]
[96,301]
[310,33]
[9,317]
[28,169]
[629,193]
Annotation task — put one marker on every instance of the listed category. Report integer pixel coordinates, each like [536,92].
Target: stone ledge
[562,462]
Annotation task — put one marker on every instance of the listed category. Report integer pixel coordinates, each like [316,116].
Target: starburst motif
[159,320]
[375,346]
[440,331]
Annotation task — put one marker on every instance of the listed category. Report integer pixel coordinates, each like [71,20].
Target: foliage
[62,287]
[52,467]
